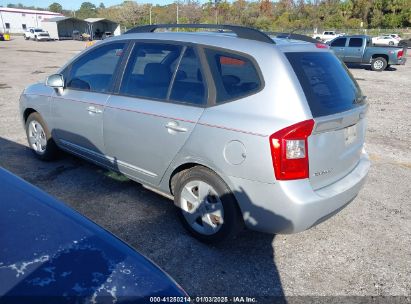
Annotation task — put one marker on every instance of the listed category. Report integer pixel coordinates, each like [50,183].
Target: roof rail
[240,31]
[294,37]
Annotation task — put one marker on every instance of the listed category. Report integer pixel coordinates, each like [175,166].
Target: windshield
[328,85]
[38,30]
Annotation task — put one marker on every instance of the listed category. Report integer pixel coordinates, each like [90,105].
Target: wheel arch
[27,113]
[380,55]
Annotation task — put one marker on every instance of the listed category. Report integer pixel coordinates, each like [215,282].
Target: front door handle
[94,110]
[174,126]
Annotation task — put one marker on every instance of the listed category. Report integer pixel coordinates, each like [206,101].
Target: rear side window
[150,69]
[188,86]
[94,71]
[235,76]
[355,42]
[339,42]
[328,85]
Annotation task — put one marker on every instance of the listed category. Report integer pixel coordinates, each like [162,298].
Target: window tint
[7,25]
[328,86]
[355,42]
[234,75]
[150,70]
[339,42]
[94,71]
[189,84]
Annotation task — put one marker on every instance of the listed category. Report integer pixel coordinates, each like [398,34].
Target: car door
[78,109]
[159,101]
[355,49]
[338,47]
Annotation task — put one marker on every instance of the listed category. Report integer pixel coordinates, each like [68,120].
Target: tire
[318,38]
[35,38]
[378,64]
[39,138]
[219,217]
[390,43]
[26,38]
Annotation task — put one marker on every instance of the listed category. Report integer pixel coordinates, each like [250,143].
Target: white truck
[36,34]
[326,36]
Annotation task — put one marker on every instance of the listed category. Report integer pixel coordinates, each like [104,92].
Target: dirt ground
[364,250]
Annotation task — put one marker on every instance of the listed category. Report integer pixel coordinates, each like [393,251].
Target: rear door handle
[173,126]
[94,110]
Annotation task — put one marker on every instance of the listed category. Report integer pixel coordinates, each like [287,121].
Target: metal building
[15,20]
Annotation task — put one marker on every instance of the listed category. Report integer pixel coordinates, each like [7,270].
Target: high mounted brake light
[289,151]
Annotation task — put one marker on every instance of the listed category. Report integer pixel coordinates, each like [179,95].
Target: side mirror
[55,81]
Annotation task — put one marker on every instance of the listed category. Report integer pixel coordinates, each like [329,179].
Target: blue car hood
[48,250]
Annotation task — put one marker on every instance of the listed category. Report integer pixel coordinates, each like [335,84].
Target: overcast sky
[75,4]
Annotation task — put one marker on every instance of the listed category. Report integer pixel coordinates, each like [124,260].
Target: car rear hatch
[338,109]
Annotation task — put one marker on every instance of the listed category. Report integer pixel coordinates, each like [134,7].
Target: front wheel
[379,64]
[208,208]
[39,138]
[26,38]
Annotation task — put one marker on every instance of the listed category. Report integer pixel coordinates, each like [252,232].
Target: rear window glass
[235,76]
[355,42]
[328,85]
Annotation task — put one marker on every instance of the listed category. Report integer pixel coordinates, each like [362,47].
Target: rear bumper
[293,206]
[402,60]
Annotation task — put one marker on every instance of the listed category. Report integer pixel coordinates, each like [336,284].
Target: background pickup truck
[326,36]
[359,49]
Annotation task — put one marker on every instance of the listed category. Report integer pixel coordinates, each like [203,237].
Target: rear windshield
[328,85]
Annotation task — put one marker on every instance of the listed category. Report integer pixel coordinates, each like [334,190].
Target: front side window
[7,25]
[188,86]
[339,42]
[24,26]
[150,70]
[95,70]
[235,76]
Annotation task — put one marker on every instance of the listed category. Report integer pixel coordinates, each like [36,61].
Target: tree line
[263,14]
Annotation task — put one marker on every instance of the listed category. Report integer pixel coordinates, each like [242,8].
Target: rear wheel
[39,138]
[379,64]
[391,43]
[208,209]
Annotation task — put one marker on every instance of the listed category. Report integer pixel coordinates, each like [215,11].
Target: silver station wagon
[240,129]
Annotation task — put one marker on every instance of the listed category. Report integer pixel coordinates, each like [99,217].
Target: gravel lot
[364,250]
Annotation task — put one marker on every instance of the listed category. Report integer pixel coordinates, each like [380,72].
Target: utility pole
[216,2]
[177,12]
[151,6]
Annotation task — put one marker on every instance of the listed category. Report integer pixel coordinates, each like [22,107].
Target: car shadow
[244,266]
[367,67]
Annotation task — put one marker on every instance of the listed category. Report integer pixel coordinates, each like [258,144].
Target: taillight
[320,45]
[400,54]
[289,151]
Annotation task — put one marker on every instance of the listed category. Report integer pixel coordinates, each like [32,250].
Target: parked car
[76,35]
[36,34]
[106,35]
[395,36]
[207,120]
[51,254]
[326,36]
[359,49]
[384,40]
